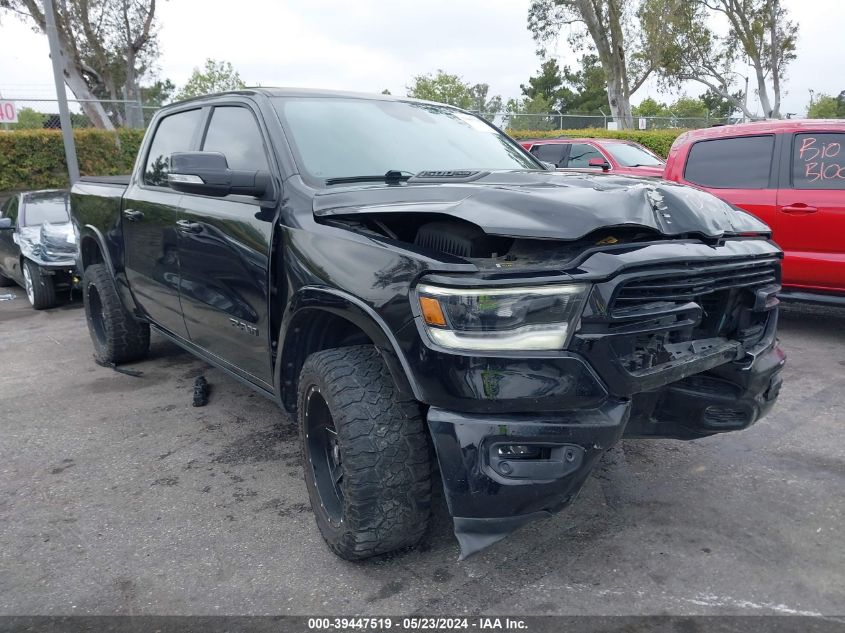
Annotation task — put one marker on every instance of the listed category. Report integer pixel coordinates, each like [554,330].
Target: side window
[731,163]
[818,161]
[10,209]
[581,153]
[173,134]
[234,132]
[550,152]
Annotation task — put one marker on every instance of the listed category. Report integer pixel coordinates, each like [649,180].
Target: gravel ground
[118,497]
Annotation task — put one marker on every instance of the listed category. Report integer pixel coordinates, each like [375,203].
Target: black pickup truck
[415,289]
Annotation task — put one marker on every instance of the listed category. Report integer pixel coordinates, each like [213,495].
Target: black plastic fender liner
[475,535]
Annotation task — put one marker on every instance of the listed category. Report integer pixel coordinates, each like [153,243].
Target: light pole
[61,96]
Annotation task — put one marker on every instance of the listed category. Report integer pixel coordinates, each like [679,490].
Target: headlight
[497,319]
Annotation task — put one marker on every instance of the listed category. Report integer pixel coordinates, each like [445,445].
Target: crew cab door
[150,238]
[225,253]
[811,210]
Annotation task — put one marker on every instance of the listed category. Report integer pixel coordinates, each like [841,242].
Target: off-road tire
[384,449]
[43,293]
[117,336]
[6,282]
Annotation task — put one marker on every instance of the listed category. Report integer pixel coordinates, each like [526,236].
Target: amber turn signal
[432,312]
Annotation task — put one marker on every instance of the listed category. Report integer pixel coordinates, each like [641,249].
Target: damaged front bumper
[501,471]
[666,347]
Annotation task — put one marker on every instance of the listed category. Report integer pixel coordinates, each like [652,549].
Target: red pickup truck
[791,175]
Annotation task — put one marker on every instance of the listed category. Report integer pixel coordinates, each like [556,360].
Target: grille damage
[682,286]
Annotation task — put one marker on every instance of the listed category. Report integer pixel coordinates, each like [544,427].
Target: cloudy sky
[370,45]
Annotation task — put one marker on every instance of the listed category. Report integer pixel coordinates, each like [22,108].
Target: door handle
[799,208]
[132,215]
[187,226]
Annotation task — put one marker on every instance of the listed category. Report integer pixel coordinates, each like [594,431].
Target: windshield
[341,138]
[632,156]
[45,208]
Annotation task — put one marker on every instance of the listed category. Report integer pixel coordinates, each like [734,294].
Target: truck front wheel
[366,454]
[117,337]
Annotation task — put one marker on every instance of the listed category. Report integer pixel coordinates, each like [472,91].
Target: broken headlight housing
[501,319]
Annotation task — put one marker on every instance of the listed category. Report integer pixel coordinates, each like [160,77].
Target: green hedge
[658,141]
[35,159]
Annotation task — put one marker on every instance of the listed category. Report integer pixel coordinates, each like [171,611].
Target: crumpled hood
[550,205]
[48,242]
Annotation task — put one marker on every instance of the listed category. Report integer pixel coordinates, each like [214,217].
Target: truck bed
[97,202]
[122,180]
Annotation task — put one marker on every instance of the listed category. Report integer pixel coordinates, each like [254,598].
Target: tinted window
[234,132]
[731,163]
[336,137]
[550,152]
[45,208]
[632,156]
[818,161]
[174,134]
[580,155]
[10,209]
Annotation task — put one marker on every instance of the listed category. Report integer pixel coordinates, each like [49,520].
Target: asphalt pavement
[119,497]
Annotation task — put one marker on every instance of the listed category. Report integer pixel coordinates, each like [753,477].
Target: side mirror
[208,174]
[6,224]
[599,162]
[549,166]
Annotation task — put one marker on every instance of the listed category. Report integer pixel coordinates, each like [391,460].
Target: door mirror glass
[208,174]
[6,224]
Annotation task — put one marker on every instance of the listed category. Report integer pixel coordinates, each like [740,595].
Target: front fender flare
[314,298]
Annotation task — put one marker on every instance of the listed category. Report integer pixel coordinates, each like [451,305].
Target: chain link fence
[573,121]
[43,114]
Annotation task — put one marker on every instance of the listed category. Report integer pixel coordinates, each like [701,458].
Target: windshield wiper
[391,176]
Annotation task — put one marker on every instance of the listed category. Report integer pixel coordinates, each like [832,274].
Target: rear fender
[93,250]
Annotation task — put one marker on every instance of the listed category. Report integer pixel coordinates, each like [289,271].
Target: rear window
[731,163]
[175,133]
[818,161]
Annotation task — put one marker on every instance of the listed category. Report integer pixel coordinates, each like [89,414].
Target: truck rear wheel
[366,454]
[117,337]
[39,288]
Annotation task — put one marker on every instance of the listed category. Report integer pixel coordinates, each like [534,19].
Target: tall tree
[215,76]
[452,90]
[826,107]
[757,31]
[586,87]
[627,58]
[719,107]
[548,83]
[581,91]
[106,46]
